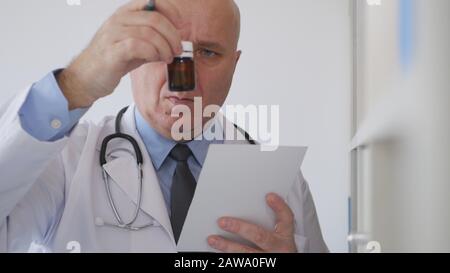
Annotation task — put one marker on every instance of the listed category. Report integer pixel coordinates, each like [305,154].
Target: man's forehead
[213,21]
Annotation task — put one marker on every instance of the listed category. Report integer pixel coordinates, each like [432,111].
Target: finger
[261,237]
[158,22]
[164,7]
[132,50]
[150,36]
[227,246]
[284,215]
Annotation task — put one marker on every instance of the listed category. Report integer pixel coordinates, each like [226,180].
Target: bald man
[62,199]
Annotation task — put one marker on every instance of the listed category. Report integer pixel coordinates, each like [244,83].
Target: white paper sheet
[234,182]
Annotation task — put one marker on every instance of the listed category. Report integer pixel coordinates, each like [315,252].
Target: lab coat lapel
[123,171]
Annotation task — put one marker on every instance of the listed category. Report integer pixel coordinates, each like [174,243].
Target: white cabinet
[401,150]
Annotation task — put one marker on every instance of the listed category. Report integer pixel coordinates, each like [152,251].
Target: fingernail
[271,198]
[224,223]
[212,241]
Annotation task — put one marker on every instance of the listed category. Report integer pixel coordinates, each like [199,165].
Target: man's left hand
[281,239]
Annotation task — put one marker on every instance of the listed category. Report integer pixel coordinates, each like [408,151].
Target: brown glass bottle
[181,72]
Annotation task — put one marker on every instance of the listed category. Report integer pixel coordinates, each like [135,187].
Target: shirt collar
[159,147]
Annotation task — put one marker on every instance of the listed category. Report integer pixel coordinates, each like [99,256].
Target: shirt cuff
[45,113]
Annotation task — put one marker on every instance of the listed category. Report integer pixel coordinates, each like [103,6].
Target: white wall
[297,54]
[39,36]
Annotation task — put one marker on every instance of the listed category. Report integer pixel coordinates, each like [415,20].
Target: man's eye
[207,53]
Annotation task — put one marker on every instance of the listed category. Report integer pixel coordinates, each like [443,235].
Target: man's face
[213,26]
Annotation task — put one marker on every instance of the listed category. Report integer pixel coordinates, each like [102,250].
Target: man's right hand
[130,38]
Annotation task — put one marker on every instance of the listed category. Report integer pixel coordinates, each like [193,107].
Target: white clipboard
[234,181]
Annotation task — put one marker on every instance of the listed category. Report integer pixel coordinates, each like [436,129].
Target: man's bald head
[222,16]
[235,15]
[236,18]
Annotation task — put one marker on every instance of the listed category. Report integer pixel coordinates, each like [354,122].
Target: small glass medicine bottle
[181,72]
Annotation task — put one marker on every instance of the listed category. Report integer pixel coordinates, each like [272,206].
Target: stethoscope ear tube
[118,134]
[137,150]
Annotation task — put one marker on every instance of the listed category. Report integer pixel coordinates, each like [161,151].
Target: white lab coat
[52,193]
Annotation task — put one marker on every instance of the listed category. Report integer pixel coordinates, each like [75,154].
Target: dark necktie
[183,188]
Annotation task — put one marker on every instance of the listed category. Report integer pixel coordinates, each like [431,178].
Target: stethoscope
[120,223]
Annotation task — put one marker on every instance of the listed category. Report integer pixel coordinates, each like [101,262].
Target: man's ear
[238,56]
